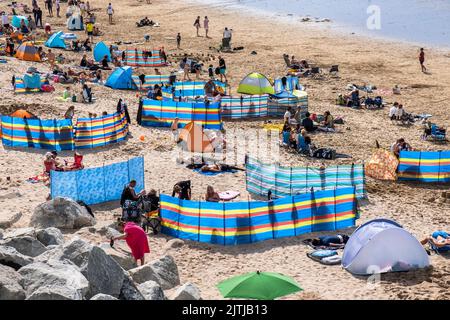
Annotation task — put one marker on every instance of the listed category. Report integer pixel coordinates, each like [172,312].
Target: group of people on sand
[53,162]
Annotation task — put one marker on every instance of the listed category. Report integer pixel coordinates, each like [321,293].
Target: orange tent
[195,139]
[23,114]
[27,51]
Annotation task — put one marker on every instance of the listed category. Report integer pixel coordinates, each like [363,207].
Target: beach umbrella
[258,285]
[256,83]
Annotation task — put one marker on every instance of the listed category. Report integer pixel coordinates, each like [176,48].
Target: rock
[20,232]
[8,219]
[129,291]
[63,213]
[26,245]
[151,290]
[77,251]
[9,256]
[10,289]
[50,236]
[102,296]
[163,271]
[187,291]
[53,279]
[104,274]
[122,257]
[174,243]
[1,234]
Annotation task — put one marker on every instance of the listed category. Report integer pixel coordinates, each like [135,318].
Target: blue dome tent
[56,41]
[101,50]
[380,246]
[16,21]
[121,78]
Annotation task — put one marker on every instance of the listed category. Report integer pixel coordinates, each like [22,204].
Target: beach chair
[315,72]
[437,135]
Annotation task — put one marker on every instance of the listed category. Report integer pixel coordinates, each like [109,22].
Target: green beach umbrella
[256,83]
[258,285]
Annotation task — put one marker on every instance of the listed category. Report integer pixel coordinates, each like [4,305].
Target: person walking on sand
[58,7]
[136,239]
[49,5]
[422,60]
[186,68]
[206,26]
[197,25]
[178,40]
[110,12]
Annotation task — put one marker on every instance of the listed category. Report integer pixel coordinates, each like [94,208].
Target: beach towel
[326,257]
[212,173]
[136,240]
[228,195]
[21,88]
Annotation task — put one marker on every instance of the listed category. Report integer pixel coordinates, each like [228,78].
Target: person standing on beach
[197,25]
[39,17]
[178,40]
[422,60]
[110,12]
[58,7]
[206,26]
[49,5]
[222,69]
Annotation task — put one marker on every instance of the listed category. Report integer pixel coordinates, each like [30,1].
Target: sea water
[423,22]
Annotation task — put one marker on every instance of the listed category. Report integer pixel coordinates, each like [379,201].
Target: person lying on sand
[438,238]
[338,240]
[211,195]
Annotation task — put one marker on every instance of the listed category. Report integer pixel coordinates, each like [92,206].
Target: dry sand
[361,60]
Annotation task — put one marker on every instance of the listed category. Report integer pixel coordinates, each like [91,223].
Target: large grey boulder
[164,271]
[63,213]
[1,234]
[53,280]
[50,236]
[129,291]
[122,257]
[102,296]
[104,274]
[151,290]
[26,245]
[187,291]
[7,219]
[10,288]
[20,232]
[9,256]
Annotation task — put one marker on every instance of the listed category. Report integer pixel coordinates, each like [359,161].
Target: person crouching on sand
[136,239]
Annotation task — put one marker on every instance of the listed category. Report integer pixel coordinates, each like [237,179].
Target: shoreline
[331,28]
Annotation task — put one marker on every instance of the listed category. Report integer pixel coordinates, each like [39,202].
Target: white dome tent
[75,22]
[380,246]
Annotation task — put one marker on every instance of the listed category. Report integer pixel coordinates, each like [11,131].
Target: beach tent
[195,139]
[121,78]
[27,51]
[382,165]
[56,41]
[15,21]
[75,22]
[380,246]
[23,114]
[101,50]
[255,83]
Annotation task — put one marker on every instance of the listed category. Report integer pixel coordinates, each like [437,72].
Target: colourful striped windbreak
[424,166]
[239,107]
[284,181]
[151,80]
[292,84]
[97,185]
[233,223]
[19,86]
[189,89]
[97,132]
[156,113]
[37,133]
[135,58]
[278,107]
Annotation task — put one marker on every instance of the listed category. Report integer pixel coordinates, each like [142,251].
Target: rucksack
[324,153]
[89,210]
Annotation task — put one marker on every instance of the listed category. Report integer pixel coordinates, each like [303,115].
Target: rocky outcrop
[63,213]
[151,290]
[102,296]
[9,256]
[188,291]
[164,271]
[50,236]
[122,257]
[10,288]
[26,245]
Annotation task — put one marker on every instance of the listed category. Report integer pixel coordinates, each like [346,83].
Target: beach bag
[47,88]
[325,153]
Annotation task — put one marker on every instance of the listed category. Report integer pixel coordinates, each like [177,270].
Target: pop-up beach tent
[56,41]
[255,83]
[15,21]
[380,246]
[121,78]
[195,139]
[75,22]
[100,51]
[28,52]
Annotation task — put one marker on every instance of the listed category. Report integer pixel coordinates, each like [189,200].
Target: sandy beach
[417,207]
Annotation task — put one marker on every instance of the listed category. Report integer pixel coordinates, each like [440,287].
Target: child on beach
[422,60]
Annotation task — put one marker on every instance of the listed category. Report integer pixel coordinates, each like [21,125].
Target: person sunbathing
[77,163]
[211,195]
[337,241]
[438,238]
[211,168]
[400,145]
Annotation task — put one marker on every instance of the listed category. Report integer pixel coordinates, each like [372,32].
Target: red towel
[136,240]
